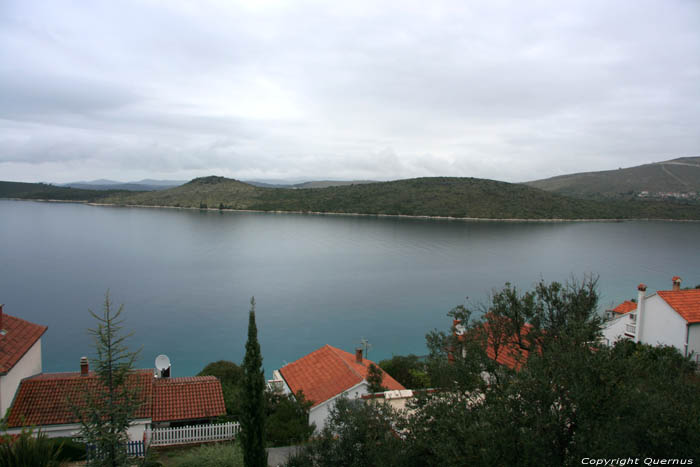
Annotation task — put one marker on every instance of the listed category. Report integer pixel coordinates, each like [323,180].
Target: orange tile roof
[45,399]
[19,337]
[625,307]
[187,398]
[327,372]
[685,302]
[510,353]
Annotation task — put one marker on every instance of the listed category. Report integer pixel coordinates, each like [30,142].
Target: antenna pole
[366,346]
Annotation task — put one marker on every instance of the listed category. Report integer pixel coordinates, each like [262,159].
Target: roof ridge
[343,360]
[187,379]
[68,374]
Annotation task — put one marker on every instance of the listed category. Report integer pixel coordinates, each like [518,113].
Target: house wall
[278,384]
[319,414]
[28,365]
[136,430]
[694,340]
[615,329]
[662,325]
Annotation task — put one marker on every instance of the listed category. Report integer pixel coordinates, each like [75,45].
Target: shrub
[29,451]
[288,419]
[71,450]
[211,455]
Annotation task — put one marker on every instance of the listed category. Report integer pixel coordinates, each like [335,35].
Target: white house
[20,355]
[667,317]
[326,374]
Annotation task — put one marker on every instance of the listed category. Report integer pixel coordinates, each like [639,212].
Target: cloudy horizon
[308,90]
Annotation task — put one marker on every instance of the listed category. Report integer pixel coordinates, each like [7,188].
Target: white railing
[193,434]
[631,328]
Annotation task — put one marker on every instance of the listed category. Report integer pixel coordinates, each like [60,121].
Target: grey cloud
[358,90]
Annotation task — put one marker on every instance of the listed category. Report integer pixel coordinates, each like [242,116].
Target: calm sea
[186,277]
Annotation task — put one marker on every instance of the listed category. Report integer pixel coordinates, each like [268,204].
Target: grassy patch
[208,455]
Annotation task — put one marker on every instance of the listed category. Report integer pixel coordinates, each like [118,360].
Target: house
[326,374]
[20,355]
[667,317]
[621,309]
[48,400]
[503,349]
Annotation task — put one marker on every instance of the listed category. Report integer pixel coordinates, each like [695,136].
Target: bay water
[186,277]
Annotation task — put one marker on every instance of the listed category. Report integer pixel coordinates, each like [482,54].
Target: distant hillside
[449,197]
[46,191]
[677,178]
[328,183]
[454,197]
[312,184]
[143,185]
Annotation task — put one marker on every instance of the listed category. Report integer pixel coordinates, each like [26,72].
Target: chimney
[84,367]
[358,355]
[641,289]
[1,305]
[676,283]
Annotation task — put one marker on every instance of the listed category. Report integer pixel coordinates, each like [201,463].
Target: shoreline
[357,214]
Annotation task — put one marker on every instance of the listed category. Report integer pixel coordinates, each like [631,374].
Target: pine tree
[253,403]
[111,404]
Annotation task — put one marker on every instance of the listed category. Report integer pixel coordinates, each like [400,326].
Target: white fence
[193,434]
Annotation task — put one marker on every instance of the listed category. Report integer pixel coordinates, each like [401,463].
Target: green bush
[28,451]
[287,419]
[212,455]
[70,450]
[409,370]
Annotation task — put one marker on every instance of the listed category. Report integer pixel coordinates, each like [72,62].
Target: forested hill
[677,178]
[45,191]
[453,197]
[440,196]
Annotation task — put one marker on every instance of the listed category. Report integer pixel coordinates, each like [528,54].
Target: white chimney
[641,288]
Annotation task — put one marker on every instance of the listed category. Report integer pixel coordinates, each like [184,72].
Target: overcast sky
[260,89]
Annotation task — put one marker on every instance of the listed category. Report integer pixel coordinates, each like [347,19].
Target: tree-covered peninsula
[436,196]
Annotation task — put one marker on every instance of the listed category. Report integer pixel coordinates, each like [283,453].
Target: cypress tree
[253,403]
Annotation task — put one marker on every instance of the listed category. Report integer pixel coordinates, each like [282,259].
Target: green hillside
[44,191]
[454,197]
[449,197]
[681,176]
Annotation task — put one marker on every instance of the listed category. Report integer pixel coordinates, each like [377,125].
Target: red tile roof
[625,307]
[327,372]
[47,399]
[19,337]
[510,353]
[187,398]
[685,302]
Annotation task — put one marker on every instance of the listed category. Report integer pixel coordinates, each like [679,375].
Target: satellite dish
[163,366]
